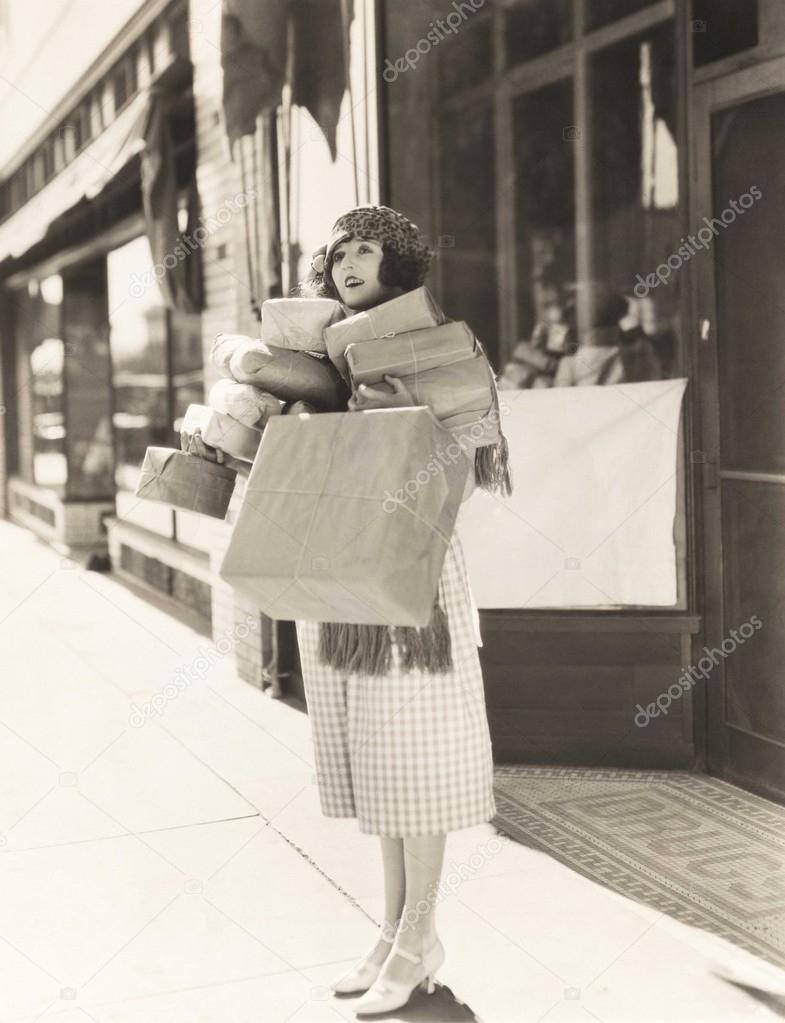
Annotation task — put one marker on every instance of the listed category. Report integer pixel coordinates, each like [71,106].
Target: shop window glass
[636,223]
[722,27]
[467,213]
[534,27]
[140,360]
[40,391]
[602,12]
[187,363]
[88,389]
[544,140]
[465,58]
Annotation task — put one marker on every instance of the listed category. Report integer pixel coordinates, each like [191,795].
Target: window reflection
[87,382]
[544,147]
[534,27]
[635,203]
[140,371]
[467,254]
[603,12]
[187,363]
[40,391]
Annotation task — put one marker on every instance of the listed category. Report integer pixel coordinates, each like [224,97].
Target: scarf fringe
[492,468]
[367,649]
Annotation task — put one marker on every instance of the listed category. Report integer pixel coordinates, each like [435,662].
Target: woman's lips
[353,282]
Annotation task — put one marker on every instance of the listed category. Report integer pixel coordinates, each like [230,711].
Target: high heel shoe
[360,977]
[386,995]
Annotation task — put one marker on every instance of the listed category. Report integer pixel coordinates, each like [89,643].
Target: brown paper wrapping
[247,404]
[222,431]
[318,540]
[409,354]
[414,310]
[298,323]
[290,376]
[186,481]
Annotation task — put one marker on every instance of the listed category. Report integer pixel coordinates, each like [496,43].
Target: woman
[408,753]
[404,748]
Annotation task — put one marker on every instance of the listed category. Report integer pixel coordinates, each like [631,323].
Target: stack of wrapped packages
[346,515]
[262,379]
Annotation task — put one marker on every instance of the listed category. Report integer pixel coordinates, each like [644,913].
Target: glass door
[739,160]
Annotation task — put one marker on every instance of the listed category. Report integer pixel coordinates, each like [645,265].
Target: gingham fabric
[408,753]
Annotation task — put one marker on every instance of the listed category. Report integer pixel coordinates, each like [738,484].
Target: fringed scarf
[367,649]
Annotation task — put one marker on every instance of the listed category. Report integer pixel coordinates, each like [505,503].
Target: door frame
[708,97]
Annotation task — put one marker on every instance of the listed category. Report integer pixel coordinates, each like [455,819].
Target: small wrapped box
[186,481]
[316,539]
[462,387]
[298,323]
[247,404]
[414,310]
[409,354]
[443,369]
[220,430]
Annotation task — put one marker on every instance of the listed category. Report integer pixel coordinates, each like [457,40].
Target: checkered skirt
[407,753]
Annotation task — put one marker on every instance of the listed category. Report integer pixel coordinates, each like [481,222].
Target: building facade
[597,176]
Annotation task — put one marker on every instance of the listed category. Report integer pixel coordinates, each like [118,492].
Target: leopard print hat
[381,224]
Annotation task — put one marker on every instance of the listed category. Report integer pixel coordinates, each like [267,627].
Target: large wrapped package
[186,481]
[414,310]
[289,375]
[410,353]
[445,370]
[316,539]
[247,404]
[462,387]
[298,322]
[220,430]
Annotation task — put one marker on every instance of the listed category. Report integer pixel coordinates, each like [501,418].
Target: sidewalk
[175,867]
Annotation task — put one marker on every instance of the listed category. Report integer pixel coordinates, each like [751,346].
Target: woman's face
[355,274]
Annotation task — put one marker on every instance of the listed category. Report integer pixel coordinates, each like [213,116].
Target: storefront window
[468,58]
[467,214]
[550,188]
[722,27]
[534,27]
[63,387]
[41,361]
[157,371]
[636,225]
[544,146]
[87,379]
[602,12]
[187,363]
[140,366]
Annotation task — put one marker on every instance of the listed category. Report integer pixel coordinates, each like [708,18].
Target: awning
[84,178]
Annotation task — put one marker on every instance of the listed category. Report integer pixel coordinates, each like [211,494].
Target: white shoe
[385,995]
[360,977]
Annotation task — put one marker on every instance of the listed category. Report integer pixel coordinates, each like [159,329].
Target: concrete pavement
[163,856]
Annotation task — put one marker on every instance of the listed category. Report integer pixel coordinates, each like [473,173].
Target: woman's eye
[337,257]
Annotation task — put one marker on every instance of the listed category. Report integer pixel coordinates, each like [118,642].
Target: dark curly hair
[395,271]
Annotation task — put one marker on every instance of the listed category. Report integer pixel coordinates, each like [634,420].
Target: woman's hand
[193,444]
[366,397]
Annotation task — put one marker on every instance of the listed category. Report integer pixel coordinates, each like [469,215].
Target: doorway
[739,160]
